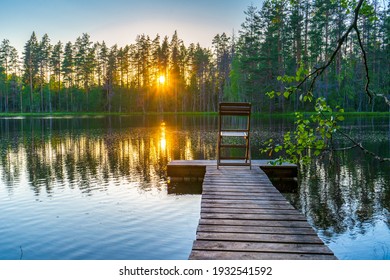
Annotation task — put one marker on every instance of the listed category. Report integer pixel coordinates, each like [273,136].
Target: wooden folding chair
[233,147]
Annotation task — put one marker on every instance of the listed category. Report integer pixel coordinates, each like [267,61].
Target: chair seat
[234,134]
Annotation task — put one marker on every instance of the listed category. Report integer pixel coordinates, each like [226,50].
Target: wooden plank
[248,198]
[254,229]
[242,189]
[258,223]
[261,247]
[239,216]
[238,185]
[212,189]
[256,237]
[255,162]
[224,210]
[208,204]
[231,255]
[238,194]
[244,201]
[231,183]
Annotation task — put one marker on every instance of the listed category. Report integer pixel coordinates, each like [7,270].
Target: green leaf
[340,118]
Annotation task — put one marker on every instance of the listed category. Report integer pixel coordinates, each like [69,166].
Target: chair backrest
[228,112]
[235,109]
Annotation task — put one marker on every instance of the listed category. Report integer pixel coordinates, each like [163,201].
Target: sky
[120,21]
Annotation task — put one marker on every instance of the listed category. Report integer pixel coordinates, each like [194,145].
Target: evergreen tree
[44,51]
[84,64]
[5,64]
[101,62]
[249,50]
[68,66]
[223,57]
[9,81]
[55,63]
[111,76]
[175,75]
[31,66]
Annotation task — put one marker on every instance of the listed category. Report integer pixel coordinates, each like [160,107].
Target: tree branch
[318,71]
[367,89]
[362,148]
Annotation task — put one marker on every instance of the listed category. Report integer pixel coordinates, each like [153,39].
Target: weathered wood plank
[244,201]
[241,189]
[231,255]
[255,229]
[261,247]
[259,223]
[239,216]
[256,197]
[263,237]
[207,204]
[221,210]
[255,162]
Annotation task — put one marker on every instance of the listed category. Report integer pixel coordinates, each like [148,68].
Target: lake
[96,187]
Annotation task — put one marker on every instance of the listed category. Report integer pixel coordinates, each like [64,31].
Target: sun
[161,79]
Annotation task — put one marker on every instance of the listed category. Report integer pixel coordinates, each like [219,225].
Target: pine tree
[111,76]
[55,63]
[68,66]
[174,69]
[143,63]
[5,61]
[223,57]
[101,62]
[44,51]
[31,66]
[9,81]
[84,64]
[248,49]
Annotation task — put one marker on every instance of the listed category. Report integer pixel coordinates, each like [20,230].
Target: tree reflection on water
[342,195]
[76,152]
[347,195]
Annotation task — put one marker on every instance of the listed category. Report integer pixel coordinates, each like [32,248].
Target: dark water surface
[96,188]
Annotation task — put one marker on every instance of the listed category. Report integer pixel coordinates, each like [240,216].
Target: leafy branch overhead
[303,76]
[314,135]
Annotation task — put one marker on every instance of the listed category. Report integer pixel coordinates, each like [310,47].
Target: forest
[163,74]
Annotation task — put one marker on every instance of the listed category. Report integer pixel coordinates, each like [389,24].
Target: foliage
[278,44]
[89,76]
[312,135]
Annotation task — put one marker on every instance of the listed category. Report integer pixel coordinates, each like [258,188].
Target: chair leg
[246,150]
[248,153]
[218,151]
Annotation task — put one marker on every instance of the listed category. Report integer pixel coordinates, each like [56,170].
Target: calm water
[96,188]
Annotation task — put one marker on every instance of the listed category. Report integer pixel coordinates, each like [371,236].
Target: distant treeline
[274,40]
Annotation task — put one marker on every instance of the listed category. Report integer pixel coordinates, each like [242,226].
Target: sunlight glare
[161,79]
[163,139]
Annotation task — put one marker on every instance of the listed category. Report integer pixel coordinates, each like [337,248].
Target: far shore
[95,114]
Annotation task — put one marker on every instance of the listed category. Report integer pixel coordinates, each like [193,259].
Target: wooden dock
[243,216]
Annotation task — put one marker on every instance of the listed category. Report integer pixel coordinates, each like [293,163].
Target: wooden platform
[284,177]
[243,216]
[196,169]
